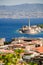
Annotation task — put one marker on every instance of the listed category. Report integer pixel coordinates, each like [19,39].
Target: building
[6,51]
[39,50]
[2,40]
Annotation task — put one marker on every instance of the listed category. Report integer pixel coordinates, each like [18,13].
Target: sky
[17,2]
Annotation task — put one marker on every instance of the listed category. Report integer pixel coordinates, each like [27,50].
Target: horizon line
[21,4]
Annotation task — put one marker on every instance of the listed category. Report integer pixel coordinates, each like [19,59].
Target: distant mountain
[24,7]
[22,11]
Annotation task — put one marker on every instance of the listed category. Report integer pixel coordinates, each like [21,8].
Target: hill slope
[21,11]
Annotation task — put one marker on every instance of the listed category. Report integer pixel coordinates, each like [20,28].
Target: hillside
[22,11]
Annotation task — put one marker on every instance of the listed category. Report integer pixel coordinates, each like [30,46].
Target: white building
[2,40]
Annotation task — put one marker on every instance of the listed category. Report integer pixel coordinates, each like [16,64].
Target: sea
[9,27]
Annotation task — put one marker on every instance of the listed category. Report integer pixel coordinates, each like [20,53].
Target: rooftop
[39,49]
[6,51]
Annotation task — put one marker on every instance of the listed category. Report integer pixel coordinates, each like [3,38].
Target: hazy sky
[16,2]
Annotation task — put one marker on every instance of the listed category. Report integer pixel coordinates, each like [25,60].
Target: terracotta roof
[39,49]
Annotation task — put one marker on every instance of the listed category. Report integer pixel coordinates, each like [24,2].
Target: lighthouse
[29,24]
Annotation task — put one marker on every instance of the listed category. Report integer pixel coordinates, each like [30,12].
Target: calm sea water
[9,27]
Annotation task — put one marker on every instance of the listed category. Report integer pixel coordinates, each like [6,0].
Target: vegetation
[5,43]
[14,59]
[40,25]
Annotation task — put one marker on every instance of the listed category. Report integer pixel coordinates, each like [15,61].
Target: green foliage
[31,63]
[13,59]
[9,59]
[19,51]
[0,57]
[40,25]
[7,43]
